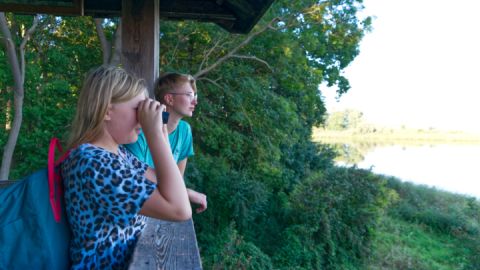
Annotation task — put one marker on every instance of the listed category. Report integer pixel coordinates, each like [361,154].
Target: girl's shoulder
[87,154]
[94,158]
[88,151]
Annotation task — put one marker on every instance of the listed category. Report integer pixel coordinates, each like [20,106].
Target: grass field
[406,245]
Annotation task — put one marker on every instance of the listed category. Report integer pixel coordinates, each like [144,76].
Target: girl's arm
[194,196]
[170,200]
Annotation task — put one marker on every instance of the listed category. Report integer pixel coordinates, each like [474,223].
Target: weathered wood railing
[167,245]
[5,183]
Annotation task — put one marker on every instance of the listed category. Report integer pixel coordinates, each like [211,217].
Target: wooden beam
[140,39]
[194,10]
[75,7]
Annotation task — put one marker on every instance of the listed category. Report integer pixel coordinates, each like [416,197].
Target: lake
[453,168]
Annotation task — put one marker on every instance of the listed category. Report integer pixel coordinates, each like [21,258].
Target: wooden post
[140,39]
[162,245]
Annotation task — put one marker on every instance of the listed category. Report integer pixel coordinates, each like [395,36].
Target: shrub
[231,251]
[338,210]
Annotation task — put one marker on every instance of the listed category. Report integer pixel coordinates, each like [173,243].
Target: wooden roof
[236,16]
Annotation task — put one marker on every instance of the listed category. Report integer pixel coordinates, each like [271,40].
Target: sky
[418,67]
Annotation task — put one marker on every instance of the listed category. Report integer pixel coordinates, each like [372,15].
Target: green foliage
[343,120]
[47,114]
[300,250]
[404,245]
[231,251]
[443,213]
[59,53]
[252,125]
[334,215]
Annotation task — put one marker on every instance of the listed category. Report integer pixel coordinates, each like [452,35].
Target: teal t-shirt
[181,144]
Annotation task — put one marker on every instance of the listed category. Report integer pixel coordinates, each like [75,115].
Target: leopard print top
[103,194]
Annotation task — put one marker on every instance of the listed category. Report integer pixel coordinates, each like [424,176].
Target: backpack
[34,232]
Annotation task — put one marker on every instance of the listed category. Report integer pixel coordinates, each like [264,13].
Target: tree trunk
[17,65]
[115,58]
[13,135]
[105,44]
[111,49]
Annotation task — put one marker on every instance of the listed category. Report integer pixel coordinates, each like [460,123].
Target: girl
[106,188]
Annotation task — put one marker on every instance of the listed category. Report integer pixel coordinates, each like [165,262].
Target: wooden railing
[5,183]
[167,245]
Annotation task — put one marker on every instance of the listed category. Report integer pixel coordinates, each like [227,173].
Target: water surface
[453,168]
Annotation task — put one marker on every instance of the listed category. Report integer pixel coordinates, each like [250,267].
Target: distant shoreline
[400,136]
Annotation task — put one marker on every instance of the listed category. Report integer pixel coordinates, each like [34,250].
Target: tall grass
[428,229]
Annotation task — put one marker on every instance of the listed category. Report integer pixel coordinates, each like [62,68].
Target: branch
[253,58]
[173,53]
[117,50]
[11,53]
[25,39]
[247,40]
[214,82]
[207,54]
[106,47]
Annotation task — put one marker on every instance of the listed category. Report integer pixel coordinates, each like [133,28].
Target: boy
[179,93]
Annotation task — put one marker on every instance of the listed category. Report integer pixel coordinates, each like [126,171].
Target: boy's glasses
[191,95]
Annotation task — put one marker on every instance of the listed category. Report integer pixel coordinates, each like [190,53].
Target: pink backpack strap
[54,180]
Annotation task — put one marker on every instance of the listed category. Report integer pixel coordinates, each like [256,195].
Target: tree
[111,49]
[56,57]
[258,101]
[346,119]
[16,59]
[337,121]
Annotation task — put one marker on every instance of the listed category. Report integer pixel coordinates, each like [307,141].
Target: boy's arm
[182,165]
[197,198]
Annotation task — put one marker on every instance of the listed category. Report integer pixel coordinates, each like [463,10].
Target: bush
[441,211]
[338,211]
[231,251]
[446,213]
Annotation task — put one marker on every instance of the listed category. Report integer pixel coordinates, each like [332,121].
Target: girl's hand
[149,114]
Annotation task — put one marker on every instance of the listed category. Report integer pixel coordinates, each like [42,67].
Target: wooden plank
[247,12]
[167,245]
[140,39]
[6,183]
[194,10]
[71,7]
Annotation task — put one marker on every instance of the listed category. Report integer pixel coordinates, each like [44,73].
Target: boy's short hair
[168,82]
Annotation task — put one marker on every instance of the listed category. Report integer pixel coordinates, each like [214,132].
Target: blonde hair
[102,87]
[168,82]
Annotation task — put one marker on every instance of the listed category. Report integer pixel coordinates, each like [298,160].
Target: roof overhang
[236,16]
